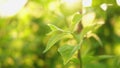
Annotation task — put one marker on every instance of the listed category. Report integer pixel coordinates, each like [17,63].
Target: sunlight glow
[117,49]
[104,6]
[70,1]
[53,6]
[10,7]
[90,18]
[118,2]
[14,34]
[87,3]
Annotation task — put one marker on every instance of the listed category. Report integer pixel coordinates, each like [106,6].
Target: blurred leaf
[66,52]
[104,57]
[96,38]
[84,31]
[75,60]
[116,62]
[95,65]
[76,19]
[54,28]
[89,58]
[53,40]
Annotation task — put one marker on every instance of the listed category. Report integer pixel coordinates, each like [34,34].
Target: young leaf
[76,19]
[96,38]
[53,40]
[66,52]
[84,31]
[54,28]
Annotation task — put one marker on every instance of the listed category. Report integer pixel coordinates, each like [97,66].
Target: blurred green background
[23,34]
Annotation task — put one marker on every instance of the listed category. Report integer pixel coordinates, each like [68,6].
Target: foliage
[44,32]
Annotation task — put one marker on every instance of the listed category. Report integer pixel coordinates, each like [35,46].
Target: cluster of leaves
[67,51]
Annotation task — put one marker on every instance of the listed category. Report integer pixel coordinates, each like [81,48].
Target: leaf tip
[45,51]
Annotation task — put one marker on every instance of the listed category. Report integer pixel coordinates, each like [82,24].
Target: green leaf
[75,60]
[116,62]
[80,39]
[90,58]
[53,40]
[94,65]
[96,38]
[76,19]
[54,28]
[84,31]
[104,57]
[66,52]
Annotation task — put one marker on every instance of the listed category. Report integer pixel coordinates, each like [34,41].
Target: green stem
[80,58]
[79,51]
